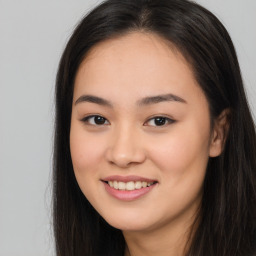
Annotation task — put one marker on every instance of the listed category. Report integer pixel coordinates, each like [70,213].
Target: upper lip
[127,178]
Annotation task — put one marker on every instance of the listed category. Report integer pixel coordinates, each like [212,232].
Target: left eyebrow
[160,98]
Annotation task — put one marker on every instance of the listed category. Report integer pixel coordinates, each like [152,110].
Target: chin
[127,226]
[130,223]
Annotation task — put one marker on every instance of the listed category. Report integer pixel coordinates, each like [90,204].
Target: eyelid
[87,118]
[168,119]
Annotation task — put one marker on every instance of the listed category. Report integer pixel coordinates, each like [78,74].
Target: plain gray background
[32,37]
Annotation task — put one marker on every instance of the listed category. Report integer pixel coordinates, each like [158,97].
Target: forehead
[137,64]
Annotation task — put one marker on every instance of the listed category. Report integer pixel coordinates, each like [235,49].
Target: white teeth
[115,185]
[130,185]
[138,185]
[144,184]
[121,185]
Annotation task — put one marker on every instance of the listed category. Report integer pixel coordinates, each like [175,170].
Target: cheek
[182,158]
[183,152]
[86,151]
[86,154]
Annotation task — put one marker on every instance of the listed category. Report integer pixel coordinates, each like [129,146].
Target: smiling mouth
[130,185]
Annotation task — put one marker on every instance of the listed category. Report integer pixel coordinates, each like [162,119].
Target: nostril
[125,151]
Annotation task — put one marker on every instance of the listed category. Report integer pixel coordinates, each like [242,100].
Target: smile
[129,186]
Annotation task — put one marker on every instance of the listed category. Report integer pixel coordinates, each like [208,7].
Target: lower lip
[128,195]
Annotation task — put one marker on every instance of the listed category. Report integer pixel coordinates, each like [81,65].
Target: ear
[219,133]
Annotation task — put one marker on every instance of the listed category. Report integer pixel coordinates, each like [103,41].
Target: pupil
[160,121]
[99,120]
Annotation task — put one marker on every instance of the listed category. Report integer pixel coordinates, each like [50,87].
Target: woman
[155,144]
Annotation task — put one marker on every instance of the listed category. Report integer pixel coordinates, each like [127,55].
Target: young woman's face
[140,134]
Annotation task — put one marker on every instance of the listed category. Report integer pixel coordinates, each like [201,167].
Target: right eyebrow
[160,98]
[93,99]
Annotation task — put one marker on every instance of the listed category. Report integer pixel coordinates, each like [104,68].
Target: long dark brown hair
[227,219]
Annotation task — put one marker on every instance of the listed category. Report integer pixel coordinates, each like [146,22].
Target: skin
[123,71]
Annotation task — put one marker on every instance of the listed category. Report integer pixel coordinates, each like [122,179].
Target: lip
[127,195]
[127,178]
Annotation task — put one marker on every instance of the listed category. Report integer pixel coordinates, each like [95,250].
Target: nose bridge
[125,146]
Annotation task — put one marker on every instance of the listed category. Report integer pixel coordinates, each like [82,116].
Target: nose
[125,148]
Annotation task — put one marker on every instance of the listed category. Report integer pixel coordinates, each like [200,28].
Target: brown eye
[99,120]
[95,120]
[159,121]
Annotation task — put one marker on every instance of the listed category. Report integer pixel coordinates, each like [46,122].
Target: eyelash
[167,120]
[88,118]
